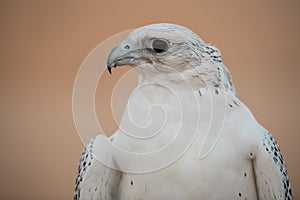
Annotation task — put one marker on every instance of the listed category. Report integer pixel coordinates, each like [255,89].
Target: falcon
[184,133]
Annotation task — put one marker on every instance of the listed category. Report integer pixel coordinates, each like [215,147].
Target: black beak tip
[109,69]
[110,66]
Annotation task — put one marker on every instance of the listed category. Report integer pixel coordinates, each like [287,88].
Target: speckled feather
[94,180]
[245,163]
[272,179]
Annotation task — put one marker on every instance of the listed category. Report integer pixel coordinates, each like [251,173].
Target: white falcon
[191,135]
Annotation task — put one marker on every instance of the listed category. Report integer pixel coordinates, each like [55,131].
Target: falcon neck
[214,78]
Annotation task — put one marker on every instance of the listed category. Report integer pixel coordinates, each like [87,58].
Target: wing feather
[270,171]
[95,180]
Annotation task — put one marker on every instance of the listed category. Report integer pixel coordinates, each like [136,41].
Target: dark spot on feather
[200,93]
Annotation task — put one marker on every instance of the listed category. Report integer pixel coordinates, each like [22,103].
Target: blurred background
[43,44]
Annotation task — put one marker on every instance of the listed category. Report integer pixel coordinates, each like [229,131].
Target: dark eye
[160,45]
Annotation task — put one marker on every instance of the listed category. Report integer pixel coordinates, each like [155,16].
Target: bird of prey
[191,135]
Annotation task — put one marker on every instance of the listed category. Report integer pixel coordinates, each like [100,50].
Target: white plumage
[189,134]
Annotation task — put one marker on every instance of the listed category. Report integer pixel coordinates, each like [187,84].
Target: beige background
[43,44]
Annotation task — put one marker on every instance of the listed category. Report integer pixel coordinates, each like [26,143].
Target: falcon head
[162,50]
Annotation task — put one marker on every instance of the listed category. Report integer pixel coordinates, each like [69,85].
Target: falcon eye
[160,45]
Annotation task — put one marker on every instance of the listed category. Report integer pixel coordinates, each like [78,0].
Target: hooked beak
[121,56]
[122,60]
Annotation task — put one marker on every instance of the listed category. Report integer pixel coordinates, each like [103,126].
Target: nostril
[127,46]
